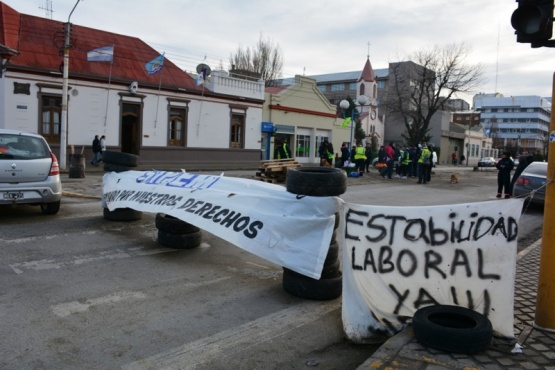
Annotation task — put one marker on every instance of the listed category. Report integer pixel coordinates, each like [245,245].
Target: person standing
[96,150]
[344,154]
[360,159]
[504,166]
[454,158]
[389,154]
[368,153]
[102,147]
[433,161]
[281,151]
[424,162]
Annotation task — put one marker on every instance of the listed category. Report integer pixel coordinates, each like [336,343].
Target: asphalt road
[80,292]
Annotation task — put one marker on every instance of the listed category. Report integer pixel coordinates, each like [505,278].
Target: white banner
[398,259]
[289,230]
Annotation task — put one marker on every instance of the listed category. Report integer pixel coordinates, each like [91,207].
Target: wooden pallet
[275,170]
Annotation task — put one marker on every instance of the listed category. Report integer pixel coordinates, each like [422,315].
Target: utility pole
[545,301]
[63,130]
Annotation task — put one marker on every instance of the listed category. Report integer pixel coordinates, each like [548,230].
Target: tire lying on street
[452,329]
[122,214]
[173,225]
[305,287]
[333,254]
[316,181]
[121,158]
[180,241]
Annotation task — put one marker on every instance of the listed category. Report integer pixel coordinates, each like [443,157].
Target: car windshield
[22,147]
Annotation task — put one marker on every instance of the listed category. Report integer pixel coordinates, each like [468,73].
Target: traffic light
[533,22]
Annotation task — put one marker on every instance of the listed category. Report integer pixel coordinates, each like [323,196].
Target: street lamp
[362,100]
[63,130]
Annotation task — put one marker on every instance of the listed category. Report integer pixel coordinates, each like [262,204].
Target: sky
[321,36]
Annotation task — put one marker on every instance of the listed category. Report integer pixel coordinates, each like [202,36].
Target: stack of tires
[76,166]
[175,233]
[120,162]
[317,181]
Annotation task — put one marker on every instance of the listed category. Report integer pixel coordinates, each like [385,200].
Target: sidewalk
[538,347]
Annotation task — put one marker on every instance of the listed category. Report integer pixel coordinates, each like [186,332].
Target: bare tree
[419,88]
[263,62]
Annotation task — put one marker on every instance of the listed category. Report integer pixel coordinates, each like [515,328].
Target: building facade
[517,123]
[162,115]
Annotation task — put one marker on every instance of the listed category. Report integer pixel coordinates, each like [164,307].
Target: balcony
[221,83]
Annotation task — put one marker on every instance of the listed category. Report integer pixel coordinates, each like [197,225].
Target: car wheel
[50,208]
[316,181]
[309,288]
[452,329]
[180,241]
[122,214]
[121,158]
[173,225]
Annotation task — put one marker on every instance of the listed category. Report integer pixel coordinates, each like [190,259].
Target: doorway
[130,128]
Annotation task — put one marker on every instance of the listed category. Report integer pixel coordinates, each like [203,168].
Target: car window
[22,147]
[538,169]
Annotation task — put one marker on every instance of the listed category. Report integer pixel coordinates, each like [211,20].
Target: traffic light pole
[545,300]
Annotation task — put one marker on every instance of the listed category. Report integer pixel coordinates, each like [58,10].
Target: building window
[381,84]
[322,88]
[337,87]
[237,133]
[303,146]
[177,127]
[361,90]
[51,114]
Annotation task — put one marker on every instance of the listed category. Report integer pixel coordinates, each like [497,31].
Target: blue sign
[268,127]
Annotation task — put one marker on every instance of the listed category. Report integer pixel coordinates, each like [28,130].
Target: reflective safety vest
[360,153]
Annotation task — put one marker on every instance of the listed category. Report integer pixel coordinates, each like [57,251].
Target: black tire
[50,208]
[111,167]
[305,287]
[316,181]
[121,158]
[180,241]
[76,172]
[172,225]
[333,253]
[122,214]
[452,329]
[336,224]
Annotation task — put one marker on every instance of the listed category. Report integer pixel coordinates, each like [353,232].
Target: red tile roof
[367,73]
[39,42]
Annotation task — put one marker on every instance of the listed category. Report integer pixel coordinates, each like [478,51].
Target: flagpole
[108,92]
[158,101]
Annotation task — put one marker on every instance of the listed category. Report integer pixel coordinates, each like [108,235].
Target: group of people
[504,166]
[412,161]
[98,148]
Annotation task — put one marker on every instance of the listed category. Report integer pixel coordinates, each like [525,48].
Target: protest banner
[264,219]
[398,259]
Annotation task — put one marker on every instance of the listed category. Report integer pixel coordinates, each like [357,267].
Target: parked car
[487,162]
[29,171]
[531,183]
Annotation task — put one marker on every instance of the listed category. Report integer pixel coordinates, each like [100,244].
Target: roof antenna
[47,9]
[368,55]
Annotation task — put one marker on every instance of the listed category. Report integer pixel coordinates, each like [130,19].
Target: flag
[200,79]
[155,65]
[346,122]
[103,54]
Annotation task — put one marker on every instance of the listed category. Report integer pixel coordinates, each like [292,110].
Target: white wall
[90,113]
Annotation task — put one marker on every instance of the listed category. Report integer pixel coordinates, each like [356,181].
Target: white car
[29,171]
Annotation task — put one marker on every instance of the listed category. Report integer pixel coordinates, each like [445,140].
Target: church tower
[367,85]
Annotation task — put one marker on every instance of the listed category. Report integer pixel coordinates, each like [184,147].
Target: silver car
[29,171]
[531,183]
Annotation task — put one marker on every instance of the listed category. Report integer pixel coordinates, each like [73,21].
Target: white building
[517,123]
